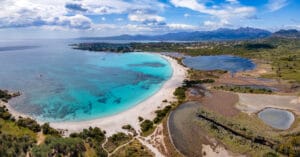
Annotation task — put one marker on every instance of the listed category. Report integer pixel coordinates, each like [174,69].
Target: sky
[77,18]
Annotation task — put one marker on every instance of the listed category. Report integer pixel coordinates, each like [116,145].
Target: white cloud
[180,26]
[224,13]
[145,18]
[186,15]
[69,13]
[274,5]
[119,19]
[213,24]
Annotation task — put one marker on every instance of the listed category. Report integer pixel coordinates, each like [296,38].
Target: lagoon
[229,63]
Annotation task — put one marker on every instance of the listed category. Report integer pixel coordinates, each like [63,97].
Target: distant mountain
[219,34]
[290,33]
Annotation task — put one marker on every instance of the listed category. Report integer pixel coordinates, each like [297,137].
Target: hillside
[219,34]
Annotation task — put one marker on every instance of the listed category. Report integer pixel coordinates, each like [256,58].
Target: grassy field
[133,149]
[116,140]
[9,127]
[252,134]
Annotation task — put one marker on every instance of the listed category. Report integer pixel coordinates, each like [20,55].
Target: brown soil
[221,102]
[157,140]
[253,77]
[186,135]
[40,138]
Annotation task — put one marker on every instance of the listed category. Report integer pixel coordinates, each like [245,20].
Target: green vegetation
[257,46]
[147,127]
[133,149]
[94,137]
[29,123]
[160,114]
[213,74]
[180,93]
[15,140]
[130,129]
[244,89]
[140,119]
[4,96]
[116,140]
[290,146]
[238,133]
[191,83]
[47,130]
[19,137]
[11,145]
[4,114]
[248,135]
[107,47]
[56,146]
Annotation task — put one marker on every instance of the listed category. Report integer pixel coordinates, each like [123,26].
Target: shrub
[49,130]
[180,93]
[146,125]
[11,145]
[57,146]
[127,127]
[270,154]
[140,118]
[4,96]
[29,123]
[160,114]
[4,114]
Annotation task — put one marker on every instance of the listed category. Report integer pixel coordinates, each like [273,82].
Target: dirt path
[121,146]
[40,138]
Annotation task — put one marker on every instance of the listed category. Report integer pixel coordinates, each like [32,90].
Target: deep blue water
[229,63]
[62,84]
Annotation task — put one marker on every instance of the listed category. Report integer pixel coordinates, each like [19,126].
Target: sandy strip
[145,109]
[252,103]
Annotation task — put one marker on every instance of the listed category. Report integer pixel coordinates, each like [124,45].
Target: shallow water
[229,63]
[62,84]
[187,136]
[276,118]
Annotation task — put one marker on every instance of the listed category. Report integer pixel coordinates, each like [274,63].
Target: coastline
[146,109]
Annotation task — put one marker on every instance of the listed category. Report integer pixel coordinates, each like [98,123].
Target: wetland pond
[229,63]
[277,118]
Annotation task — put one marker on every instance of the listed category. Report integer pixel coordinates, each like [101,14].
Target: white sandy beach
[145,109]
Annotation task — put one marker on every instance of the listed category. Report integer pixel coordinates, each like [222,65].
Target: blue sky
[74,18]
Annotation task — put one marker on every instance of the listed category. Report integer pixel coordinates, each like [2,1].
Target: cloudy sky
[74,18]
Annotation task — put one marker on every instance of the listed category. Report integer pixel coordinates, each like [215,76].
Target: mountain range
[291,33]
[219,34]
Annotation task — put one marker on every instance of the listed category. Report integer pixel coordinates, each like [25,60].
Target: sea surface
[229,63]
[59,83]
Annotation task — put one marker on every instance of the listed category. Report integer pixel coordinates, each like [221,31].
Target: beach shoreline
[146,109]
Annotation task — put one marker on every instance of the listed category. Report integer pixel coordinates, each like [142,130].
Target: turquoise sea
[59,83]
